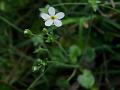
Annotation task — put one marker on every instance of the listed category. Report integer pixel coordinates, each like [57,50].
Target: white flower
[26,31]
[51,18]
[35,68]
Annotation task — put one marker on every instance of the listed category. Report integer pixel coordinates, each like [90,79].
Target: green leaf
[44,10]
[70,20]
[37,40]
[40,50]
[2,5]
[86,80]
[94,4]
[90,54]
[75,51]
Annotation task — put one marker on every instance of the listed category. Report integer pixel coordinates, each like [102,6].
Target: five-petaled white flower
[52,18]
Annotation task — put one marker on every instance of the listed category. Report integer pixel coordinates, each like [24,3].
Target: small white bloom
[35,68]
[51,18]
[26,31]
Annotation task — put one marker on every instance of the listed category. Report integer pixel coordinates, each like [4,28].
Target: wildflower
[26,31]
[35,68]
[52,18]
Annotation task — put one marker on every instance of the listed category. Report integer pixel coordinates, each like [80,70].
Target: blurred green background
[89,39]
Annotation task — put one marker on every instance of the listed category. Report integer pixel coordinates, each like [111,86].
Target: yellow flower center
[53,17]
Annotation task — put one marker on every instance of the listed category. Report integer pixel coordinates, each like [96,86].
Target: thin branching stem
[78,3]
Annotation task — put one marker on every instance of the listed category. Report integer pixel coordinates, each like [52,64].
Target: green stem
[72,75]
[56,63]
[36,80]
[111,8]
[63,50]
[78,3]
[11,24]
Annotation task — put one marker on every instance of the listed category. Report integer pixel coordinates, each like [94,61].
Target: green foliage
[90,55]
[4,86]
[86,80]
[9,5]
[37,40]
[94,4]
[52,58]
[62,83]
[39,65]
[44,10]
[75,51]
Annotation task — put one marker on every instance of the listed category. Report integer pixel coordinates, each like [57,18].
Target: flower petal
[57,23]
[45,16]
[60,15]
[49,22]
[51,10]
